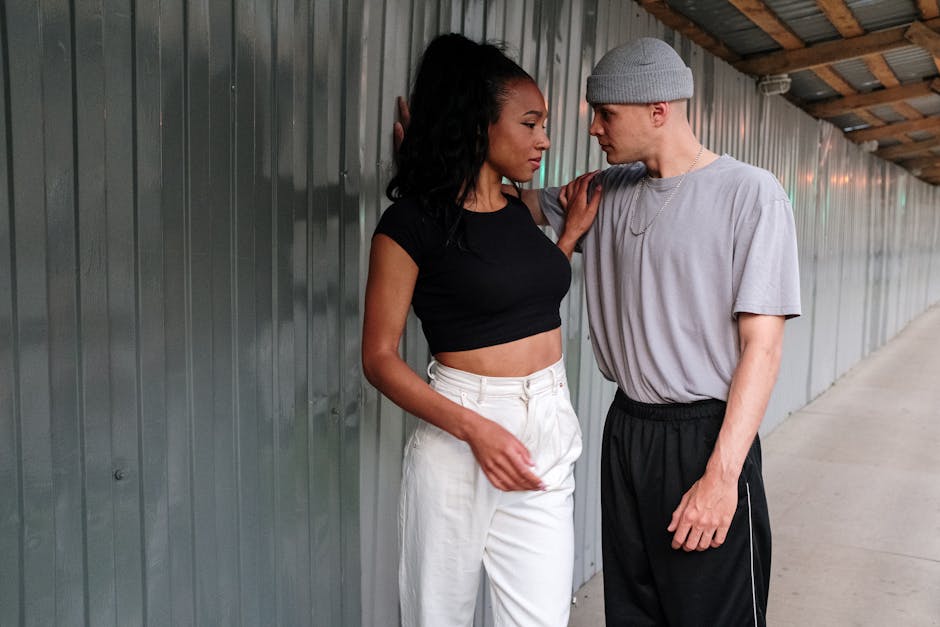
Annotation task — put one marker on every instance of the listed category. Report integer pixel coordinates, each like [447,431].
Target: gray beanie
[644,71]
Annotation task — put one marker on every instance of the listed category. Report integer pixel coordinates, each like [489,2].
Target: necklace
[642,186]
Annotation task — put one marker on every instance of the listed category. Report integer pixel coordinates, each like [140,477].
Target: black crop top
[507,284]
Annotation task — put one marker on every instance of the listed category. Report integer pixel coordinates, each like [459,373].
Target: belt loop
[430,366]
[482,389]
[526,390]
[554,381]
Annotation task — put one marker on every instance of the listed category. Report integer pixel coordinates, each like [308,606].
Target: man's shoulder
[622,175]
[747,175]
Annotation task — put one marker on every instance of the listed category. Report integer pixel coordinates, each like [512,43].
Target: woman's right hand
[504,459]
[580,209]
[401,124]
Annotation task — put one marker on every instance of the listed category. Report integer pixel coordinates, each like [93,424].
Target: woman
[488,473]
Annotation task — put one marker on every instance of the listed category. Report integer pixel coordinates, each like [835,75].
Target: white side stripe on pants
[750,529]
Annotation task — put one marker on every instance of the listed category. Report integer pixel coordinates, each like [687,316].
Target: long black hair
[459,90]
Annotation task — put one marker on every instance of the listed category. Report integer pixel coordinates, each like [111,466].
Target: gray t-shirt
[663,305]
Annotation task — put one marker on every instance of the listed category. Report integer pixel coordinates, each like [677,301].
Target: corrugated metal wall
[187,193]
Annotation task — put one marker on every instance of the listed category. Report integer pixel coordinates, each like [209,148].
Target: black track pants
[652,454]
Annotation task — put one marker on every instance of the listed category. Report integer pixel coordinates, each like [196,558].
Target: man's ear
[659,113]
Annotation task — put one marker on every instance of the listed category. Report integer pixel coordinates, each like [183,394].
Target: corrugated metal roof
[738,33]
[805,19]
[920,135]
[880,14]
[887,113]
[911,63]
[928,105]
[807,86]
[728,24]
[849,121]
[857,74]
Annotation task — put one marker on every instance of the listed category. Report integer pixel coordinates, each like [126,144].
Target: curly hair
[459,90]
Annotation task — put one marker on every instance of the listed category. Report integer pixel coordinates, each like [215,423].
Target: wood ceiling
[881,109]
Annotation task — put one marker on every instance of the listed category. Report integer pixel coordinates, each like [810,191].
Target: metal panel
[911,63]
[728,24]
[808,86]
[180,392]
[187,196]
[857,74]
[878,14]
[806,20]
[928,105]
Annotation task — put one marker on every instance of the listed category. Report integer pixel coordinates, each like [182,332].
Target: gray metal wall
[187,193]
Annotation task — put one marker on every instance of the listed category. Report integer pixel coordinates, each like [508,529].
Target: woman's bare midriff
[512,359]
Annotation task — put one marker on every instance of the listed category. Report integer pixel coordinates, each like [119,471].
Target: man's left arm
[704,514]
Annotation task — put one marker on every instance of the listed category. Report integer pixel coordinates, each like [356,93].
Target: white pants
[454,522]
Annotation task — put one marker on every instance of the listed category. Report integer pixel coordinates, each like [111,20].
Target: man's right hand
[503,458]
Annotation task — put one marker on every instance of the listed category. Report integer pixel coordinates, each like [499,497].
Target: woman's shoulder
[403,209]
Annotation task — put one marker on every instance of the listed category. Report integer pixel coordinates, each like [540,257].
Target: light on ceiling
[774,84]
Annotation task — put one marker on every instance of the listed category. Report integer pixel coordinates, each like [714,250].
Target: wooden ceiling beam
[930,161]
[930,173]
[928,9]
[832,78]
[880,69]
[900,151]
[871,119]
[841,16]
[788,61]
[894,130]
[926,38]
[767,21]
[678,22]
[908,111]
[832,108]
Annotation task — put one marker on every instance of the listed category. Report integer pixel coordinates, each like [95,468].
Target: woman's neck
[488,194]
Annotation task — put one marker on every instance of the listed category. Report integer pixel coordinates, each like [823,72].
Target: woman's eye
[529,124]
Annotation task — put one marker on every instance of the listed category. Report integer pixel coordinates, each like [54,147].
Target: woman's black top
[503,283]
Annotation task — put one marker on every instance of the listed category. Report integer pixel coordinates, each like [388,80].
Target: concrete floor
[853,482]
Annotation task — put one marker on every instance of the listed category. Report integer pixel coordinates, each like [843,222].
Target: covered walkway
[854,486]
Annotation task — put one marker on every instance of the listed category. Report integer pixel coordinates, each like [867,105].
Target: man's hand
[503,458]
[401,125]
[704,514]
[580,210]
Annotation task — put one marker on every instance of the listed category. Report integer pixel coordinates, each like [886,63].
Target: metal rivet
[119,474]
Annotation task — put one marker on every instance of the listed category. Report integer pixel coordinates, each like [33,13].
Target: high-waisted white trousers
[454,523]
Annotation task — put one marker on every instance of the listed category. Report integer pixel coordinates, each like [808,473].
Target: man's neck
[676,153]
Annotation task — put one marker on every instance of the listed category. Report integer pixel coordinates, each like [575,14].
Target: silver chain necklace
[642,186]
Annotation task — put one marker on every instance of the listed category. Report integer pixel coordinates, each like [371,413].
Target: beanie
[644,71]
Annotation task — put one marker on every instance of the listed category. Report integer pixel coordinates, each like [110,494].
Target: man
[690,271]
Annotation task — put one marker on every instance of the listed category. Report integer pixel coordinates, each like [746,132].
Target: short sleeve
[766,262]
[404,223]
[552,209]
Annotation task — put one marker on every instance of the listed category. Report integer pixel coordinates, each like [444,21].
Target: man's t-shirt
[663,305]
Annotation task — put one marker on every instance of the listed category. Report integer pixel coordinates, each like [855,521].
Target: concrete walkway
[853,481]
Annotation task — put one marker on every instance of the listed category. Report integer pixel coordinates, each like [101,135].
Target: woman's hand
[401,125]
[504,459]
[580,210]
